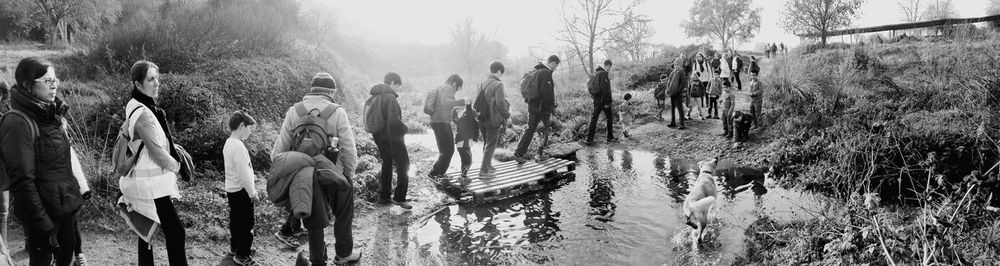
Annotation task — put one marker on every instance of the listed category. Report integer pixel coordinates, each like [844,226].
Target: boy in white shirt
[240,188]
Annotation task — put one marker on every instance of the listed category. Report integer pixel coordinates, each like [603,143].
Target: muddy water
[623,208]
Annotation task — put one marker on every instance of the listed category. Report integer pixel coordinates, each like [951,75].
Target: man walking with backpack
[600,89]
[538,90]
[494,110]
[384,119]
[339,147]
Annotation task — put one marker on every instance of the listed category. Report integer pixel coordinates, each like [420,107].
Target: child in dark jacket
[467,129]
[714,92]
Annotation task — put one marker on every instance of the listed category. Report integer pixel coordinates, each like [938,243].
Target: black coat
[603,86]
[546,101]
[42,183]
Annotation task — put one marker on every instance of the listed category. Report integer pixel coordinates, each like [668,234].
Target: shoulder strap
[131,122]
[300,109]
[31,122]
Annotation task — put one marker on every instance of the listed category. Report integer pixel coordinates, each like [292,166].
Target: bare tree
[587,25]
[819,16]
[319,28]
[910,10]
[631,42]
[58,15]
[939,9]
[466,41]
[728,21]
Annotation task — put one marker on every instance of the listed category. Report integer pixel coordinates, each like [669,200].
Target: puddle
[624,208]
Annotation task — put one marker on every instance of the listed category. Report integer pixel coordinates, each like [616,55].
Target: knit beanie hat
[323,83]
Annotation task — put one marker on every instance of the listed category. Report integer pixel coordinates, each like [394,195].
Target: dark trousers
[713,105]
[393,152]
[446,147]
[173,233]
[241,222]
[677,104]
[533,119]
[727,122]
[756,103]
[341,203]
[600,107]
[736,79]
[491,137]
[41,252]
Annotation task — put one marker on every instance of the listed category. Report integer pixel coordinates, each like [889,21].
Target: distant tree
[994,9]
[631,42]
[910,10]
[819,16]
[588,24]
[939,9]
[472,48]
[727,21]
[58,16]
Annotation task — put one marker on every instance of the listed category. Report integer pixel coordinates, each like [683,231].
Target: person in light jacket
[441,123]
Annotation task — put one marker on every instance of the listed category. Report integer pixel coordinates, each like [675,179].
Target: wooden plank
[516,173]
[537,174]
[528,167]
[507,183]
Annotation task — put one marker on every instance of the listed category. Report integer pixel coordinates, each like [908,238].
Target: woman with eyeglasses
[35,149]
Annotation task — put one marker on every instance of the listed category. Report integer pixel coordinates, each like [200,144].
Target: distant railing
[904,26]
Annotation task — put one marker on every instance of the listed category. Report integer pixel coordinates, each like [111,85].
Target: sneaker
[520,159]
[383,202]
[403,204]
[244,261]
[487,174]
[682,128]
[289,241]
[354,257]
[81,260]
[253,251]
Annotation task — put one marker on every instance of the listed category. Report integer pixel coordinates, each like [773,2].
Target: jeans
[727,122]
[677,104]
[446,147]
[713,105]
[41,252]
[241,222]
[173,233]
[736,79]
[342,205]
[599,108]
[756,104]
[491,137]
[533,119]
[393,151]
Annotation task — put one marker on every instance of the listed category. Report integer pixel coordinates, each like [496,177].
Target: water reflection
[629,215]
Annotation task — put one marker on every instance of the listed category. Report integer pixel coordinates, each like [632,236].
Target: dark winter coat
[603,86]
[676,82]
[42,183]
[396,128]
[546,101]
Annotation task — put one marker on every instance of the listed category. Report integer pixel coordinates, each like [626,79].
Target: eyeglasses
[50,82]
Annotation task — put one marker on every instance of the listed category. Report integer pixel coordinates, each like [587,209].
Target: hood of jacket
[42,111]
[380,89]
[542,66]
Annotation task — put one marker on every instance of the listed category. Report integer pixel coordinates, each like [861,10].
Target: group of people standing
[707,82]
[774,50]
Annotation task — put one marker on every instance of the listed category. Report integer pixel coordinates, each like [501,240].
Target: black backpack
[4,178]
[309,131]
[594,84]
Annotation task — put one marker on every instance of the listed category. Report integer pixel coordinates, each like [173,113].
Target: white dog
[701,198]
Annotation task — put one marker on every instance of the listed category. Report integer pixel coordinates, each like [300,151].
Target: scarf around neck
[160,115]
[41,110]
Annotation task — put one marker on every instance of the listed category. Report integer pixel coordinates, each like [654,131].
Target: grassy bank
[904,135]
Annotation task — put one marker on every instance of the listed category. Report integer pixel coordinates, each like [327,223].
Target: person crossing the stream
[540,106]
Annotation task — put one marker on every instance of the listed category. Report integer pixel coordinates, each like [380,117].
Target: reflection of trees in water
[602,206]
[626,160]
[473,234]
[739,179]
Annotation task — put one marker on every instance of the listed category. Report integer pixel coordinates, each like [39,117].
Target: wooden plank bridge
[509,179]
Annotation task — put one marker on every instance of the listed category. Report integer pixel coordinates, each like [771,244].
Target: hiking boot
[253,251]
[288,240]
[244,261]
[383,202]
[672,125]
[402,204]
[354,257]
[682,127]
[520,159]
[81,260]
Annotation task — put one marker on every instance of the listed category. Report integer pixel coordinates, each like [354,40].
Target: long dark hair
[29,69]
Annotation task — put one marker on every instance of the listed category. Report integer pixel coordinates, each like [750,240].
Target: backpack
[4,179]
[482,106]
[529,85]
[594,85]
[123,159]
[309,134]
[431,102]
[697,90]
[375,117]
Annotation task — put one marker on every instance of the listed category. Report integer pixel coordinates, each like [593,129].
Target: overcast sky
[527,24]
